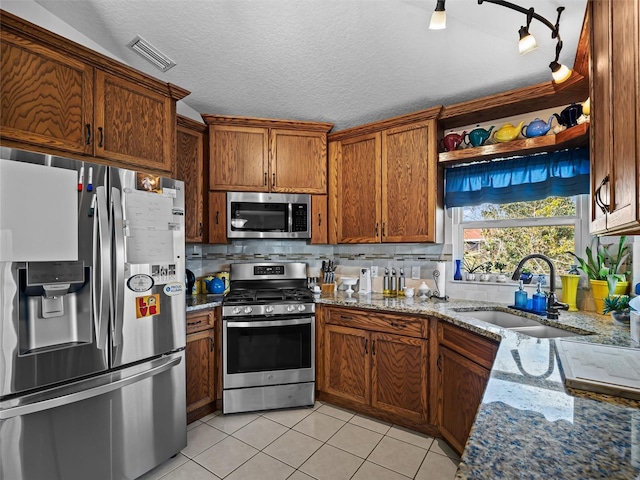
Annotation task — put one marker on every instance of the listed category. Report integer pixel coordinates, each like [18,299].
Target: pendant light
[527,42]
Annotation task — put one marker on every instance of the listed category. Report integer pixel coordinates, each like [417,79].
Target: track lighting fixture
[439,17]
[527,42]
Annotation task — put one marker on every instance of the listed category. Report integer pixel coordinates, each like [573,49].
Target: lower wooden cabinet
[347,363]
[399,375]
[203,360]
[462,383]
[384,371]
[464,365]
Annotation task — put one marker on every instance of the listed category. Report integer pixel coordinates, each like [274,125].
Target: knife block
[328,288]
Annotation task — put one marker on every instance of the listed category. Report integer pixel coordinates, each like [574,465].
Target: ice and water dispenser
[55,305]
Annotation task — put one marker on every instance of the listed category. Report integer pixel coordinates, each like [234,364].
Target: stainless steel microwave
[268,215]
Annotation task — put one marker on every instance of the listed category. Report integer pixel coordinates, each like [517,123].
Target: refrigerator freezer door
[148,311]
[51,330]
[115,426]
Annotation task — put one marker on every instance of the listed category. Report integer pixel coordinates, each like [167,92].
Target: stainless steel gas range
[268,338]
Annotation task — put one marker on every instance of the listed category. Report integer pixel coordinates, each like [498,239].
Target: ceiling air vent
[151,53]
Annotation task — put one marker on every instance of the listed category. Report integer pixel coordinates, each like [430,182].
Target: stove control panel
[268,270]
[272,310]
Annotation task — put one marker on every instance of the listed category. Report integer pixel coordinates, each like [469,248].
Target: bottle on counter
[393,288]
[401,283]
[539,300]
[521,296]
[385,283]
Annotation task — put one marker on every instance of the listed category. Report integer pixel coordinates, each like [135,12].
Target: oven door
[259,352]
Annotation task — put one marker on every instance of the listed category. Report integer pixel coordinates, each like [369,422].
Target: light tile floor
[321,443]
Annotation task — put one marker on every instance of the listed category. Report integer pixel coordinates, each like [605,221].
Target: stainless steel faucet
[552,301]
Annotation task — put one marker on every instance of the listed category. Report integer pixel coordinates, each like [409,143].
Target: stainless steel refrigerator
[92,327]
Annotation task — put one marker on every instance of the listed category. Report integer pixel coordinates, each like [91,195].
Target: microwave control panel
[299,212]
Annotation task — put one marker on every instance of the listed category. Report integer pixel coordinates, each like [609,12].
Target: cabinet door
[134,125]
[347,363]
[461,386]
[358,189]
[217,217]
[238,158]
[409,183]
[46,97]
[298,161]
[615,142]
[623,167]
[319,222]
[399,375]
[189,168]
[200,367]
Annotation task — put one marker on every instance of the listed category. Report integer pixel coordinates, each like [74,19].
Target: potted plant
[471,265]
[599,264]
[501,276]
[486,275]
[618,306]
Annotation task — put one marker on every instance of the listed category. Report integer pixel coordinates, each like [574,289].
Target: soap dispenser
[521,297]
[539,303]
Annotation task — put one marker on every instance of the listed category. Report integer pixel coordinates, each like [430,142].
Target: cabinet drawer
[200,320]
[475,347]
[380,322]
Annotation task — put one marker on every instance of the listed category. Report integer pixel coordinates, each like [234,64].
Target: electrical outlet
[374,271]
[415,272]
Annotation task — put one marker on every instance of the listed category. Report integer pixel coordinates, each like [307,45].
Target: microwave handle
[290,219]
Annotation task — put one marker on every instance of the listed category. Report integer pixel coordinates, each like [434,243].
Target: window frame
[580,221]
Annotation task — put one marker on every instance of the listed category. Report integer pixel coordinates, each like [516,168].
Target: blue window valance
[563,174]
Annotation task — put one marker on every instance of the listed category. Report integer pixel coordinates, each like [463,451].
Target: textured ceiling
[347,62]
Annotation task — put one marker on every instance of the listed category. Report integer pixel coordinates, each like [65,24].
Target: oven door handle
[269,323]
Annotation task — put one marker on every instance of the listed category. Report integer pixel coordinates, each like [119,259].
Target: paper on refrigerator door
[149,221]
[38,213]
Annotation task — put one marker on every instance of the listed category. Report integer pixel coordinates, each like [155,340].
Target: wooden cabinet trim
[375,127]
[471,345]
[266,123]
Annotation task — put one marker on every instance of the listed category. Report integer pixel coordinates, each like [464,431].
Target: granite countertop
[529,425]
[203,301]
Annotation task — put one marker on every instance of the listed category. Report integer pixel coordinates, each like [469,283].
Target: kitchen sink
[518,323]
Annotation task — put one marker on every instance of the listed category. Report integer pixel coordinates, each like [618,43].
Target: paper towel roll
[440,277]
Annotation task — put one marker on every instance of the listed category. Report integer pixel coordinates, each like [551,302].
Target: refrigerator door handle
[50,403]
[101,275]
[118,287]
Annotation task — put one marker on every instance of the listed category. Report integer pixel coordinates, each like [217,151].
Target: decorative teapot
[569,116]
[478,136]
[537,128]
[452,140]
[214,285]
[508,132]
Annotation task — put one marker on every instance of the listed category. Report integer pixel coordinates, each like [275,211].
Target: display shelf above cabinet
[577,136]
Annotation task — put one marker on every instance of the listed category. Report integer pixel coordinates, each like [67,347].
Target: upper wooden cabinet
[190,167]
[615,116]
[263,155]
[386,185]
[60,97]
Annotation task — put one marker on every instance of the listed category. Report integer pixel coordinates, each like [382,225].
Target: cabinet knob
[383,225]
[101,137]
[319,220]
[365,346]
[88,133]
[273,183]
[265,179]
[217,217]
[376,229]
